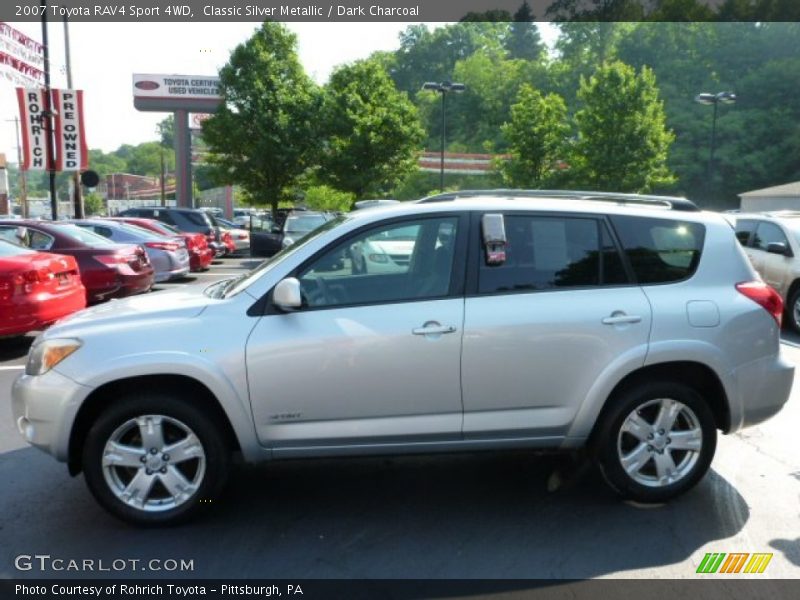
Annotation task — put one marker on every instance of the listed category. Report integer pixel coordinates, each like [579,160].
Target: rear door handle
[621,319]
[433,328]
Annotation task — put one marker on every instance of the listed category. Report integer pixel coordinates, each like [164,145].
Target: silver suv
[772,243]
[630,326]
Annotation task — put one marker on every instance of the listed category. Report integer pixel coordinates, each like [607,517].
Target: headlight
[48,354]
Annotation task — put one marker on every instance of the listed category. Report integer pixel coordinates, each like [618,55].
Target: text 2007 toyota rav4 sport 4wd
[633,326]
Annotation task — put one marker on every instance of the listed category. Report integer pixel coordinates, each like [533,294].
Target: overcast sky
[105,55]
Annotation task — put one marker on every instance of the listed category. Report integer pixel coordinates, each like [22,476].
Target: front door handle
[620,318]
[433,328]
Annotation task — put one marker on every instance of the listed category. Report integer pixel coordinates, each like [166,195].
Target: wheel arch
[113,391]
[696,375]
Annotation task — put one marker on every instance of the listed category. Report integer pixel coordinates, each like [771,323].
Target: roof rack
[669,202]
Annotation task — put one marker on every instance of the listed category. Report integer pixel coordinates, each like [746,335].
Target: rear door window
[744,228]
[545,253]
[768,233]
[660,250]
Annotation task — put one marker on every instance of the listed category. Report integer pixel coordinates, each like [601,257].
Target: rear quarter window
[660,250]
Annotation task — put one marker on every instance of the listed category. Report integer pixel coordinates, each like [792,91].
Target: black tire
[210,481]
[607,441]
[794,324]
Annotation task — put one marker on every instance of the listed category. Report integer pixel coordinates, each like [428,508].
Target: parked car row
[50,269]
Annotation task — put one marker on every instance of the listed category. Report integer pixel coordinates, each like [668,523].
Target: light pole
[715,99]
[443,87]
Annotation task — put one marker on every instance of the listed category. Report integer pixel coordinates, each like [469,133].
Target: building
[779,197]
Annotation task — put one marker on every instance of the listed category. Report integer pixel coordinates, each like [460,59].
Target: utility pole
[23,181]
[76,177]
[163,183]
[47,115]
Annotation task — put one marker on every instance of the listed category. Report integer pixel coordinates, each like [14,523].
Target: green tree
[93,204]
[264,135]
[145,159]
[536,138]
[323,197]
[166,131]
[524,40]
[622,140]
[372,132]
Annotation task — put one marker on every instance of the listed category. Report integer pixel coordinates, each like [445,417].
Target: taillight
[23,283]
[112,260]
[765,296]
[168,246]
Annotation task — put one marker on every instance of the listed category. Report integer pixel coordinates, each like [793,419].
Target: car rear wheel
[154,459]
[656,441]
[793,310]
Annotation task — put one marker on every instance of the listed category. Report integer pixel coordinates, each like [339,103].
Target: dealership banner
[72,153]
[34,132]
[21,58]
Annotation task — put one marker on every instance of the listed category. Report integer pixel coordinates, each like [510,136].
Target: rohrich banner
[72,153]
[69,147]
[34,132]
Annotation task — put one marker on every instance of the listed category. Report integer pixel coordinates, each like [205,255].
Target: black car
[189,220]
[296,224]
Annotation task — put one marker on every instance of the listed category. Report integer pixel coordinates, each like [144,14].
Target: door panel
[529,360]
[371,357]
[357,375]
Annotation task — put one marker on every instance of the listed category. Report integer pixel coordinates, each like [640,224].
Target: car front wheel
[155,459]
[656,441]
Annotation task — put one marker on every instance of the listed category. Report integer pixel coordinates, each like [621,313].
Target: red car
[200,254]
[227,239]
[36,289]
[107,270]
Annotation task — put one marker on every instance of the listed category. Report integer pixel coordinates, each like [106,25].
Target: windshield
[9,249]
[230,287]
[304,223]
[83,235]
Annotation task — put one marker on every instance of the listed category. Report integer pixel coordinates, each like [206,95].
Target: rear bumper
[38,312]
[201,259]
[764,387]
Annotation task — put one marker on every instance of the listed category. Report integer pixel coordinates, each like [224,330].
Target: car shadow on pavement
[16,347]
[790,549]
[459,516]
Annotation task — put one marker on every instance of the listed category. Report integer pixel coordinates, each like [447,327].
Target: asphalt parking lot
[496,515]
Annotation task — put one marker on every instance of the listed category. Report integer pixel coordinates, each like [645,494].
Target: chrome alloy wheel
[660,442]
[153,463]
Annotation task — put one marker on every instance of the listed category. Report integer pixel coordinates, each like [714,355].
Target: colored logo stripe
[716,562]
[758,563]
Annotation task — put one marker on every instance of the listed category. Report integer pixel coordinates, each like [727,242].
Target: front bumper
[44,408]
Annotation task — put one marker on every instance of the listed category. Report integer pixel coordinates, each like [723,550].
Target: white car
[386,252]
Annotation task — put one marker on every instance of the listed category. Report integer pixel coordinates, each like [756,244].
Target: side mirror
[286,294]
[779,248]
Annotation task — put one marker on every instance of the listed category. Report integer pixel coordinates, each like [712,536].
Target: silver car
[772,243]
[169,256]
[632,327]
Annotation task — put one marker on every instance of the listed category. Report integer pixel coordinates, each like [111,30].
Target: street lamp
[715,99]
[443,87]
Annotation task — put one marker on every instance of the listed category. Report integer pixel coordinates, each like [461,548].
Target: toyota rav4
[632,327]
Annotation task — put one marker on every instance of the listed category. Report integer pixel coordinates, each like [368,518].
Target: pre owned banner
[34,132]
[72,154]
